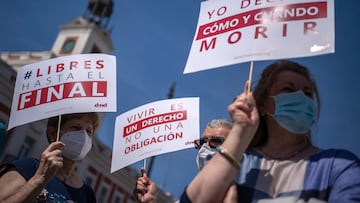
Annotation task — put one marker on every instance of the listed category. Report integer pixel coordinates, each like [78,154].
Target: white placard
[155,128]
[236,31]
[68,84]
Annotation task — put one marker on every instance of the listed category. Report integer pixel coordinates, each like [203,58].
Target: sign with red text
[68,84]
[236,31]
[155,128]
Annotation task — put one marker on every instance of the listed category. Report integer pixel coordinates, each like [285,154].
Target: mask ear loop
[58,128]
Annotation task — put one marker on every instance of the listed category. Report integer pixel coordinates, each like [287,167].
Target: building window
[117,199]
[89,180]
[102,194]
[25,147]
[90,177]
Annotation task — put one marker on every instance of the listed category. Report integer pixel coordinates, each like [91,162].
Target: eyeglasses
[213,142]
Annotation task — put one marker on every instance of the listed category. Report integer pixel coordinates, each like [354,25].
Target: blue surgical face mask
[295,112]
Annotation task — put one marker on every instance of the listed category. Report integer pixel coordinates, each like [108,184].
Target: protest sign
[236,31]
[155,128]
[68,84]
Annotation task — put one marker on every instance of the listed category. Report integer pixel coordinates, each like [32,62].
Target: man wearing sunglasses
[213,142]
[214,135]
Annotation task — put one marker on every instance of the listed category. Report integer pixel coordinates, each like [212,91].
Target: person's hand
[146,190]
[243,110]
[51,161]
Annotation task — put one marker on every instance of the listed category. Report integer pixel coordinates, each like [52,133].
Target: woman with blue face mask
[269,151]
[53,178]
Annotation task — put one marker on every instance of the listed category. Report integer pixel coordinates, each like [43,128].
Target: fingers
[143,172]
[243,103]
[246,90]
[51,160]
[142,182]
[243,108]
[55,145]
[53,152]
[140,185]
[145,189]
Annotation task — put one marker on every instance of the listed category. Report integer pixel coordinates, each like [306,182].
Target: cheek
[51,134]
[269,106]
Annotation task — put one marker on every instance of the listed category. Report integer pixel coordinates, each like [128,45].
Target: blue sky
[152,41]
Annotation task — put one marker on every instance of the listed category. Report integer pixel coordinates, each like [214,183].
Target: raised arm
[213,181]
[14,187]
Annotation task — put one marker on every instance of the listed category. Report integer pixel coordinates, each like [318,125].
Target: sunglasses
[213,142]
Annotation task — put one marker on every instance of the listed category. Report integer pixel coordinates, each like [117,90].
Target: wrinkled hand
[51,160]
[146,190]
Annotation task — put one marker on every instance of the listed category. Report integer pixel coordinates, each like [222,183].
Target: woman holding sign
[268,150]
[53,178]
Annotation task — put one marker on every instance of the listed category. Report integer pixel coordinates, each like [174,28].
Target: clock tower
[82,35]
[86,34]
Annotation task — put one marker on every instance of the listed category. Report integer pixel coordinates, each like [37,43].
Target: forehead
[292,78]
[83,121]
[217,131]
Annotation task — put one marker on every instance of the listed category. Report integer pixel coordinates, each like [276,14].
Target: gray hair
[216,123]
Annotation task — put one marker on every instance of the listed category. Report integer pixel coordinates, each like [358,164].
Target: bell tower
[86,34]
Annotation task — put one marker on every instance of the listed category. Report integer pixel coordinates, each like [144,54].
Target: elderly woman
[53,178]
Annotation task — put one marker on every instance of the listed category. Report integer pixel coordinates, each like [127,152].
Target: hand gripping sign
[69,84]
[155,128]
[236,31]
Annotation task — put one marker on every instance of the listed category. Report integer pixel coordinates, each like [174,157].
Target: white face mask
[204,155]
[77,144]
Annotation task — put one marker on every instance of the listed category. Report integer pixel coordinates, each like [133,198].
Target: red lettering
[143,114]
[234,37]
[257,2]
[309,26]
[284,30]
[73,65]
[260,30]
[208,46]
[245,5]
[292,12]
[60,67]
[87,64]
[154,120]
[100,64]
[38,73]
[62,91]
